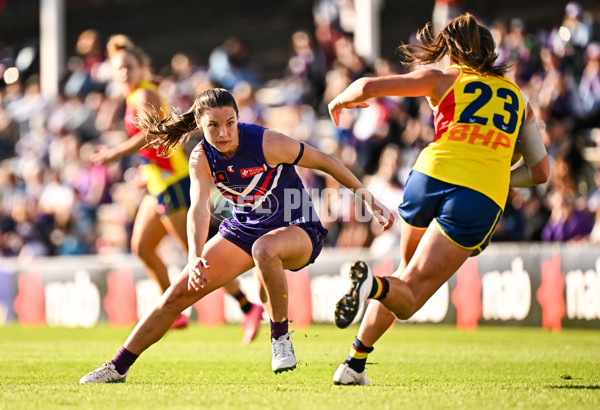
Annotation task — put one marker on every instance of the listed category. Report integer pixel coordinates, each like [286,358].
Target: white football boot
[344,375]
[353,302]
[104,374]
[283,354]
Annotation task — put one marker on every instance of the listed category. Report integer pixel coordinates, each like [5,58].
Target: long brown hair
[170,132]
[465,40]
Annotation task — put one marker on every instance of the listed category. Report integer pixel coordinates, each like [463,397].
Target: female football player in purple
[458,187]
[273,227]
[163,210]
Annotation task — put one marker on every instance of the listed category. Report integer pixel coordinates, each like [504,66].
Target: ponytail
[465,40]
[167,133]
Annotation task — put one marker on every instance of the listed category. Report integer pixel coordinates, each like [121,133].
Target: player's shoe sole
[107,373]
[345,376]
[348,307]
[287,369]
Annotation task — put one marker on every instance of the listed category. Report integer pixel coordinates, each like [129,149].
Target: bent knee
[141,250]
[404,314]
[264,250]
[136,248]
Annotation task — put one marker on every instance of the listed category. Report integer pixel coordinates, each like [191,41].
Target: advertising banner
[541,285]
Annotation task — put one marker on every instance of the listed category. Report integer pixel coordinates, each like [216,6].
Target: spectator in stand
[589,88]
[595,234]
[572,173]
[229,63]
[346,56]
[566,223]
[557,93]
[90,47]
[183,82]
[593,201]
[385,184]
[306,70]
[336,79]
[511,226]
[521,51]
[21,108]
[250,110]
[535,215]
[570,39]
[9,133]
[326,16]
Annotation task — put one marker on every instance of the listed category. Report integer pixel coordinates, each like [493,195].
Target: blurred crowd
[55,201]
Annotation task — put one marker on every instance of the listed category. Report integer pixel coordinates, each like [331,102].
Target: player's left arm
[279,148]
[535,168]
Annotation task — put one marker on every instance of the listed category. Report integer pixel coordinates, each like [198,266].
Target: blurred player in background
[458,187]
[273,227]
[163,211]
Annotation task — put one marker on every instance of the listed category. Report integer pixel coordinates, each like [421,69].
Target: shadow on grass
[577,387]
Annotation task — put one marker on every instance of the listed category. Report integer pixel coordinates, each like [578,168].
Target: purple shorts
[244,236]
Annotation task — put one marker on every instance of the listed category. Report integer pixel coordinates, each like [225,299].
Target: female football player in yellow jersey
[457,189]
[164,210]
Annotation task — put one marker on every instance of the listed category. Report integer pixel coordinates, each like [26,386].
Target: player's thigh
[147,228]
[410,237]
[176,225]
[435,260]
[291,244]
[226,262]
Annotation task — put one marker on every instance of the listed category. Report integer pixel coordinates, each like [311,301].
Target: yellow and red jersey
[477,123]
[159,171]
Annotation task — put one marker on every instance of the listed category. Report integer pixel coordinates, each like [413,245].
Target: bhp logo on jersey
[473,135]
[250,172]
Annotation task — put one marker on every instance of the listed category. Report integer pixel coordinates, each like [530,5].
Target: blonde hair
[122,43]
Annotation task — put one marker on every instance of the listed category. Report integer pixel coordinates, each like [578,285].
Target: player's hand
[381,213]
[196,277]
[103,155]
[335,106]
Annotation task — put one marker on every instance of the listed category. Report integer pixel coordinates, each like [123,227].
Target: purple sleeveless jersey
[259,195]
[261,198]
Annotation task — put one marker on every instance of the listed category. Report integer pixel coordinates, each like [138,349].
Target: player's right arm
[198,218]
[426,82]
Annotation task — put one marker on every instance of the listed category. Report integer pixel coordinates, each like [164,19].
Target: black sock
[357,358]
[245,304]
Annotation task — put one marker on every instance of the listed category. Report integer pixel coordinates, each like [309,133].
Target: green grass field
[412,367]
